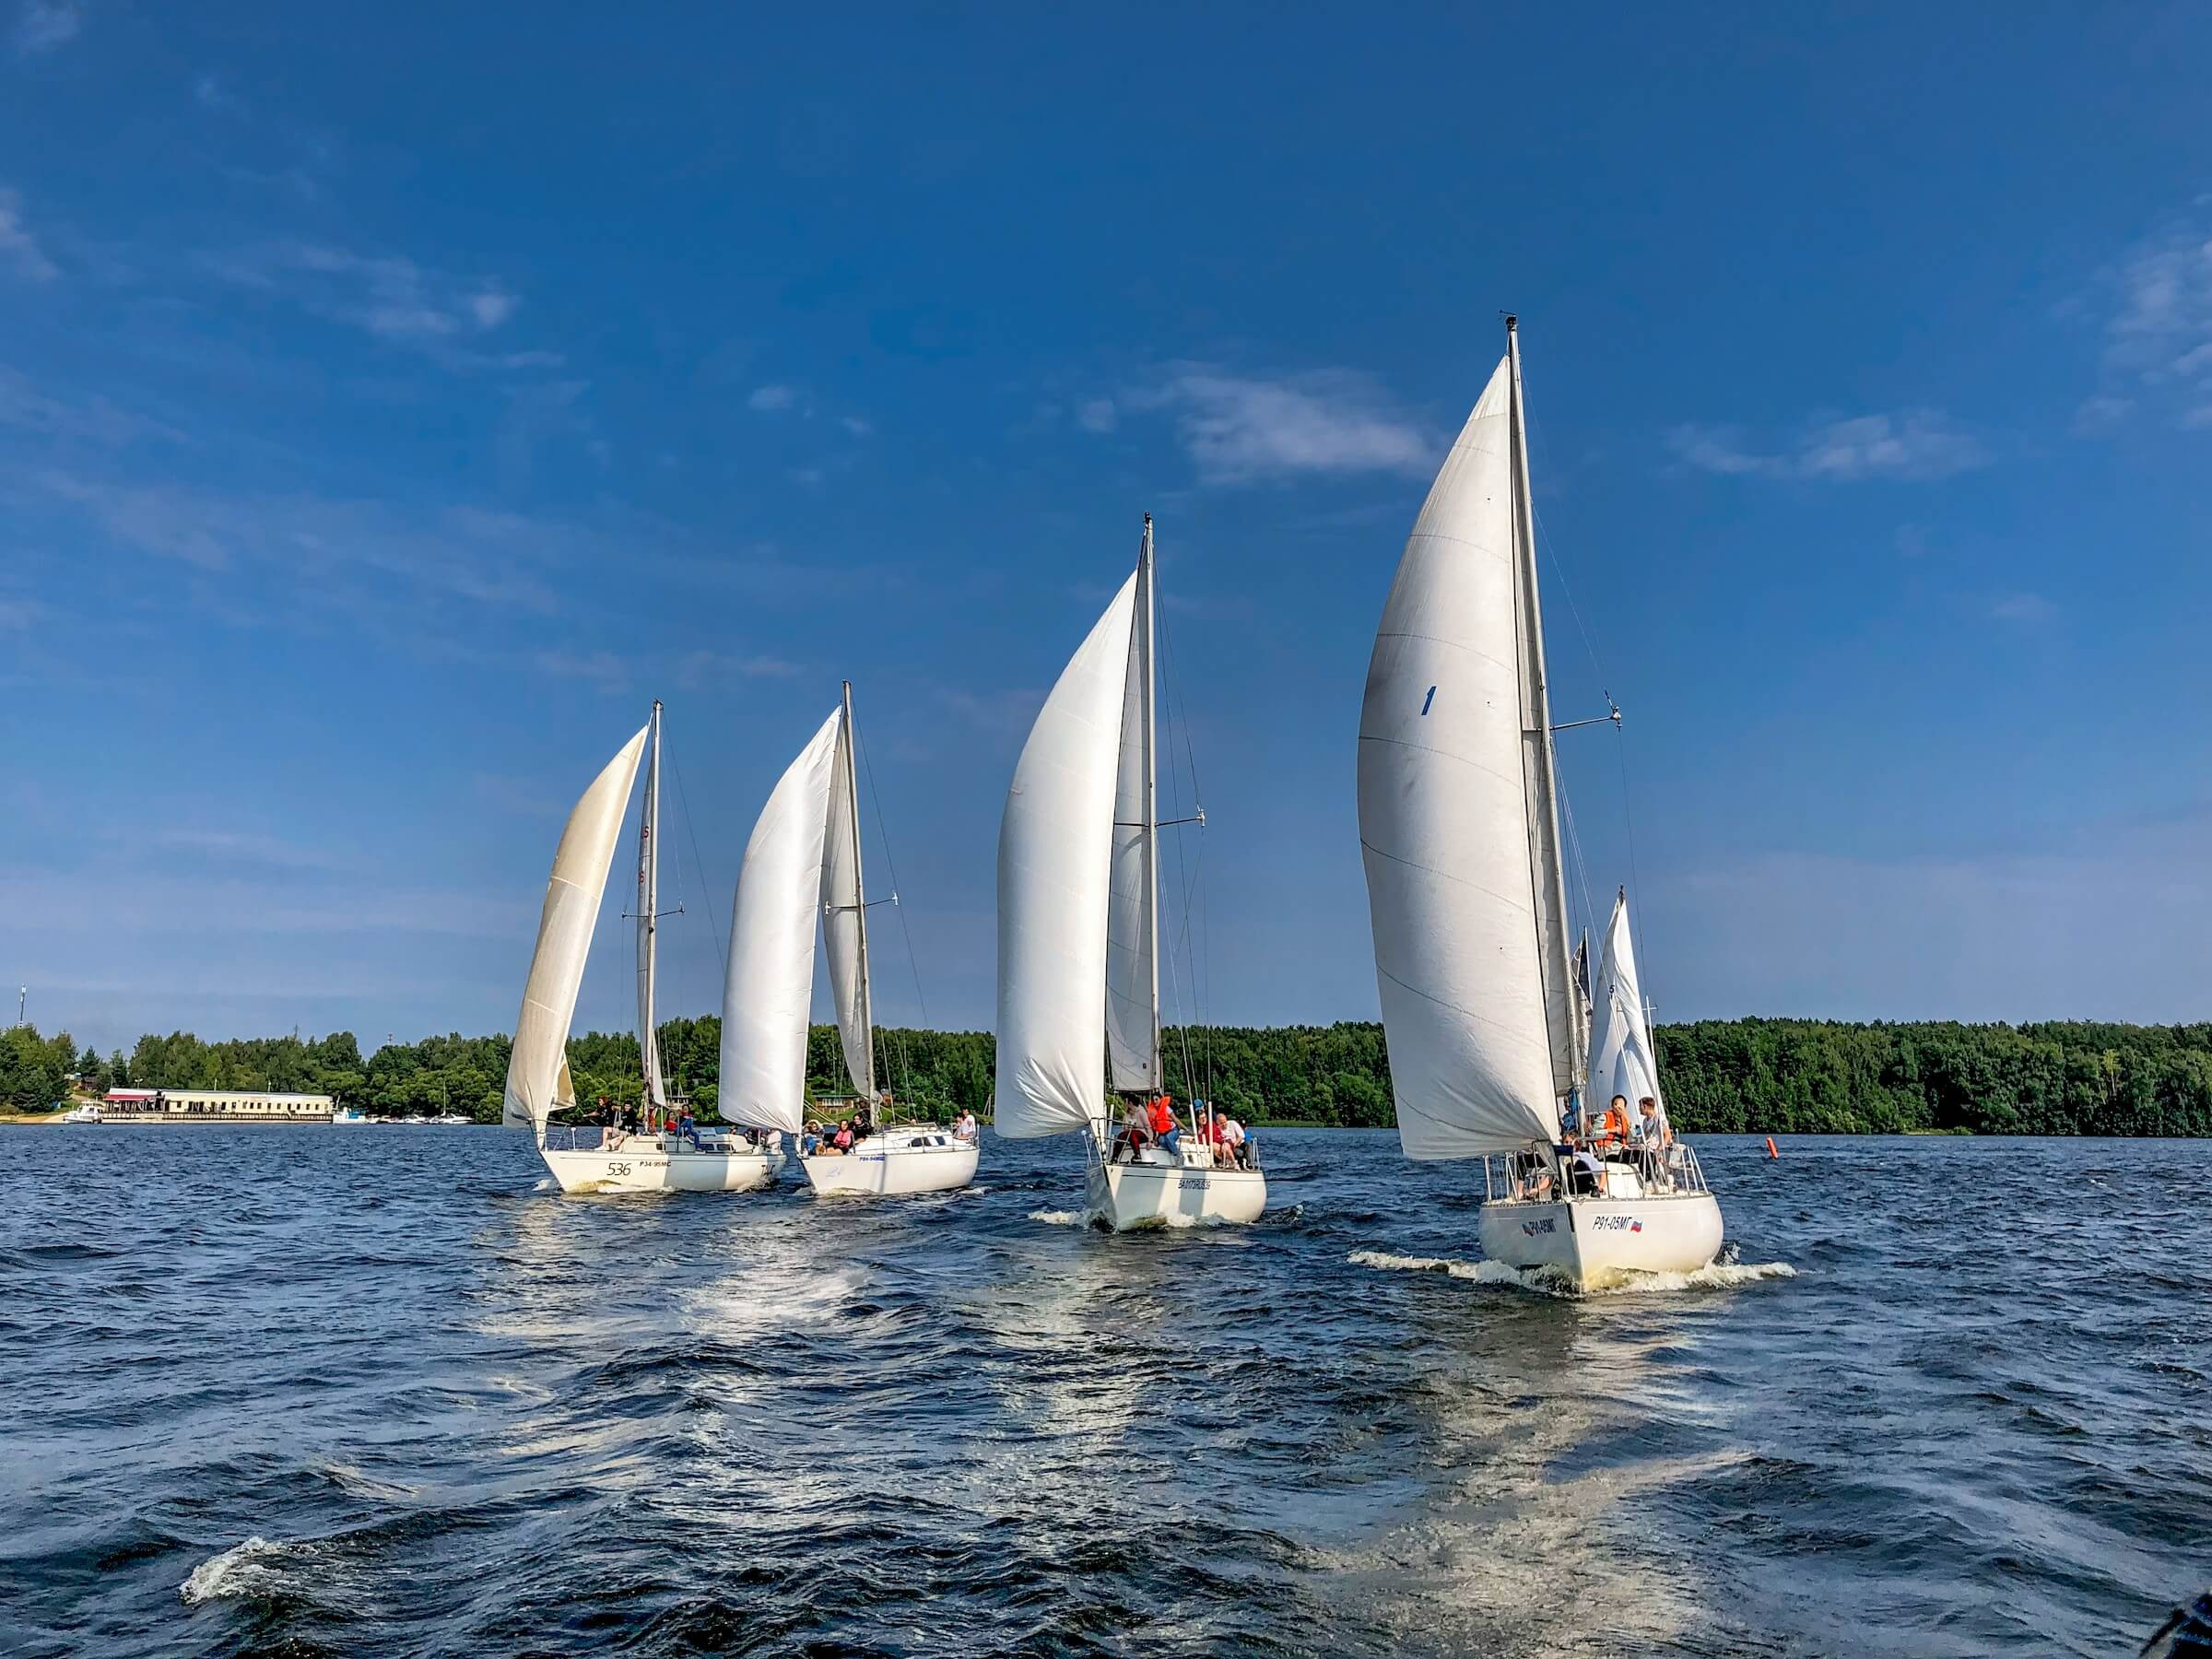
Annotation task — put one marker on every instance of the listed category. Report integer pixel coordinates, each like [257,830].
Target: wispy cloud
[43,25]
[19,612]
[2024,608]
[210,94]
[1004,713]
[705,667]
[1243,429]
[387,294]
[27,408]
[603,668]
[261,852]
[457,551]
[1917,445]
[19,247]
[2158,333]
[771,400]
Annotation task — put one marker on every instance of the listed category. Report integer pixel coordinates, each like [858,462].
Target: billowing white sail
[1444,818]
[1055,850]
[1132,909]
[1622,1061]
[537,1069]
[845,922]
[768,993]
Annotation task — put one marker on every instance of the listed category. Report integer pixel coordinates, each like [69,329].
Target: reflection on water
[384,1392]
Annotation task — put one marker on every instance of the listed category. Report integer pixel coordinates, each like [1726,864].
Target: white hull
[1593,1242]
[643,1165]
[1126,1195]
[898,1161]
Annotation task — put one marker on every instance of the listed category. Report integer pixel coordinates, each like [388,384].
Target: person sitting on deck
[1652,1127]
[1233,1137]
[1613,1123]
[810,1141]
[1165,1129]
[863,1123]
[842,1139]
[964,1129]
[1584,1172]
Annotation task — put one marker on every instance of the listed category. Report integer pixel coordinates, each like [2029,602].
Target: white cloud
[387,294]
[856,426]
[2022,607]
[1918,444]
[43,25]
[2158,329]
[771,399]
[1240,429]
[18,246]
[25,408]
[703,667]
[1096,415]
[209,93]
[603,668]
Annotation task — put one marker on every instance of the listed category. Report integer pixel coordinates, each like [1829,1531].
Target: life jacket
[1163,1115]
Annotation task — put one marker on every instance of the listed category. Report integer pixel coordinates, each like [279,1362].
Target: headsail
[767,993]
[537,1068]
[1445,817]
[1054,855]
[844,912]
[1622,1060]
[1133,907]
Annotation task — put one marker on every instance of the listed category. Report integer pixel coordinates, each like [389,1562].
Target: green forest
[1764,1076]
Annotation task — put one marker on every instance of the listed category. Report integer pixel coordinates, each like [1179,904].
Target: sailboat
[538,1083]
[1079,933]
[804,859]
[1459,830]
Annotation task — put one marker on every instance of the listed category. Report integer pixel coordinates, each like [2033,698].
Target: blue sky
[393,403]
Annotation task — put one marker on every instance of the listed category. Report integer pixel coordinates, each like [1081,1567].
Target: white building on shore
[211,1106]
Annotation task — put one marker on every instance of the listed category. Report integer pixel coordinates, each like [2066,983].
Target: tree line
[1762,1076]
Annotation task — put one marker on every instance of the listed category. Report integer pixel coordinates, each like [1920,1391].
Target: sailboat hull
[1595,1243]
[1128,1195]
[644,1166]
[901,1161]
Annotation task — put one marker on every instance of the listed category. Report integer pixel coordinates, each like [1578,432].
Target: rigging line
[1557,567]
[1186,873]
[705,887]
[890,867]
[1200,970]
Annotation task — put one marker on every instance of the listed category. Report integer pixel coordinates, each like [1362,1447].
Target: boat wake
[248,1569]
[1714,1276]
[1061,1217]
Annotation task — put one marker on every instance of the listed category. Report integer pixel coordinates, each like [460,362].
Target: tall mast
[1150,836]
[649,909]
[1563,1012]
[860,898]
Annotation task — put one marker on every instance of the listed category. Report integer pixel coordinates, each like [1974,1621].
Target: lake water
[378,1391]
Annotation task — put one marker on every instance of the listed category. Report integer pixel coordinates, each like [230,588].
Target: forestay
[769,987]
[1056,847]
[649,917]
[844,918]
[1622,1060]
[537,1068]
[1445,833]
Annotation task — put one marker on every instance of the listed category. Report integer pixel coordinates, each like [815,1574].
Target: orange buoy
[1770,1151]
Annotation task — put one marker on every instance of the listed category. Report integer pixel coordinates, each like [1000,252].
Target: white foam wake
[1061,1217]
[1714,1276]
[241,1569]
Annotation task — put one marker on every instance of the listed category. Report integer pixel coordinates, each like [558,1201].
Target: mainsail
[767,993]
[1133,905]
[1055,852]
[1458,816]
[649,919]
[537,1068]
[1622,1061]
[844,912]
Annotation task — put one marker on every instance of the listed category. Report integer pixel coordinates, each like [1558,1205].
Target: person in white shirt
[963,1128]
[1232,1136]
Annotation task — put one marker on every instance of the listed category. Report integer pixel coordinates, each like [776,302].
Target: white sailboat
[1459,831]
[1078,932]
[537,1074]
[803,859]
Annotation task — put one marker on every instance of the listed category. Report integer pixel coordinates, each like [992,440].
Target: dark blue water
[377,1391]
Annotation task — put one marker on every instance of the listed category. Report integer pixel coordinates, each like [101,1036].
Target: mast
[1150,832]
[860,900]
[1562,1013]
[649,906]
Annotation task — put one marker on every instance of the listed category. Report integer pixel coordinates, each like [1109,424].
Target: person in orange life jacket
[1613,1123]
[1164,1127]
